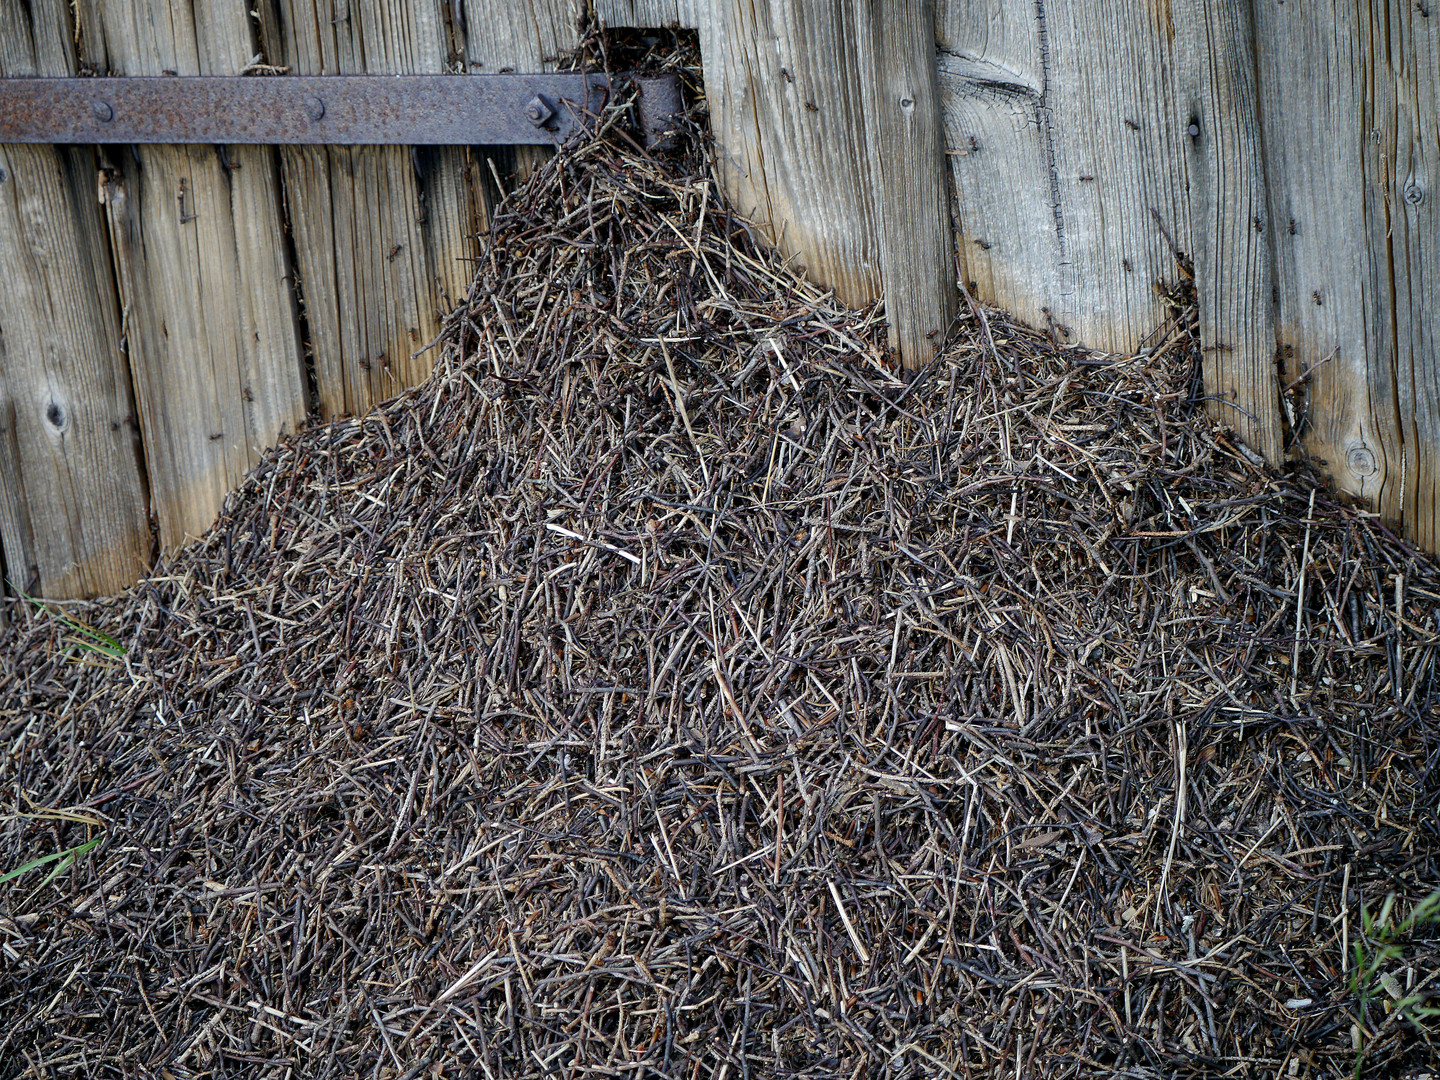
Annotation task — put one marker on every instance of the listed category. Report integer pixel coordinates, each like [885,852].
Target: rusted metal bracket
[405,110]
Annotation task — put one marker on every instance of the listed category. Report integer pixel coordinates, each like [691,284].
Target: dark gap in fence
[302,315]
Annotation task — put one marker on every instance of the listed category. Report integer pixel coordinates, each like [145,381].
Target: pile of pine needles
[668,689]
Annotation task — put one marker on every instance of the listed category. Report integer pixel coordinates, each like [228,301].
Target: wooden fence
[1060,155]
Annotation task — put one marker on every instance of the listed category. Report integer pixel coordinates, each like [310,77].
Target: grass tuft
[1382,943]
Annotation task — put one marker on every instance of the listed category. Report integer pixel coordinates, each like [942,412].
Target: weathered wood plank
[668,14]
[1234,275]
[782,81]
[520,35]
[1410,191]
[36,39]
[901,98]
[382,234]
[992,79]
[73,511]
[200,252]
[1062,138]
[1334,298]
[827,119]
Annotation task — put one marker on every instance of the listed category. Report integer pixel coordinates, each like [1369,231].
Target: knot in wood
[55,416]
[1361,460]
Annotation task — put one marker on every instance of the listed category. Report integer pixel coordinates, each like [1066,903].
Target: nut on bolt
[537,112]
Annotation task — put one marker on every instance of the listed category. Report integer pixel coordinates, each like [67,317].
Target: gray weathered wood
[1304,193]
[1323,148]
[1229,218]
[36,39]
[520,35]
[816,145]
[783,87]
[200,252]
[1062,135]
[1409,190]
[383,235]
[826,116]
[782,82]
[900,93]
[651,13]
[72,495]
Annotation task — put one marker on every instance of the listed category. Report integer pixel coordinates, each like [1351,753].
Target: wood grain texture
[826,119]
[36,39]
[1060,127]
[1229,218]
[520,35]
[1334,297]
[901,98]
[1408,191]
[652,13]
[383,234]
[200,254]
[73,509]
[783,84]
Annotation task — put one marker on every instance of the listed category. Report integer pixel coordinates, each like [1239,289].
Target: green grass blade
[60,867]
[69,855]
[99,641]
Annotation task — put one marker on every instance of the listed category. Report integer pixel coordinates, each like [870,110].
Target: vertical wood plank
[667,14]
[520,35]
[901,97]
[1410,192]
[72,494]
[992,81]
[36,39]
[1062,139]
[383,234]
[1334,302]
[782,82]
[200,251]
[1229,217]
[826,118]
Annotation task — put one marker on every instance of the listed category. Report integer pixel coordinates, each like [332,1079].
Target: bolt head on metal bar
[395,110]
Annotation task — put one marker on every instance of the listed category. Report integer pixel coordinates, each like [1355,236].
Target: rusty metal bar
[406,110]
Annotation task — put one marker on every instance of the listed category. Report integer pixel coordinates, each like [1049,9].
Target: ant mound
[666,688]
